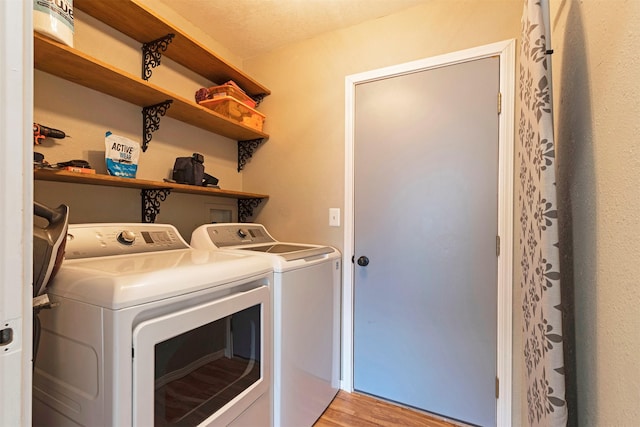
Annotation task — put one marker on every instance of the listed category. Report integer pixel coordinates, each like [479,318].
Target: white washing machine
[306,315]
[147,331]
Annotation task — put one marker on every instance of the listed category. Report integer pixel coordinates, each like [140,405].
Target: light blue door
[426,216]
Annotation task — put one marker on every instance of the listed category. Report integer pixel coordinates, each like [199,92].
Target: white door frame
[505,50]
[16,208]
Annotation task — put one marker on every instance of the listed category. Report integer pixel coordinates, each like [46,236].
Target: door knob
[363,261]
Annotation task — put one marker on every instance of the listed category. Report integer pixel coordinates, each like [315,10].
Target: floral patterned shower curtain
[539,257]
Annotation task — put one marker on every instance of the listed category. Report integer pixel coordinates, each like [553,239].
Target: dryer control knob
[241,233]
[127,237]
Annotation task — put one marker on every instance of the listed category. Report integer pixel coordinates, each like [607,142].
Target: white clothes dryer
[306,316]
[147,331]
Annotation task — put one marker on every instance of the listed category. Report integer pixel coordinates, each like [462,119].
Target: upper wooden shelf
[142,184]
[73,65]
[140,23]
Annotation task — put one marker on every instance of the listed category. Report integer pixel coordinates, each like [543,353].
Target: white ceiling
[253,27]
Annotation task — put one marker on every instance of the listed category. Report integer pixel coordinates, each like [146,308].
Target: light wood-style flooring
[357,410]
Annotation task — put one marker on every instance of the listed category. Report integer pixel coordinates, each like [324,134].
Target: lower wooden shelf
[142,184]
[246,201]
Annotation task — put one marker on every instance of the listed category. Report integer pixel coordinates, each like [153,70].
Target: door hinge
[499,102]
[497,245]
[497,388]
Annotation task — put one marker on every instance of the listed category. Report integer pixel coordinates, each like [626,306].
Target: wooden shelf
[138,22]
[141,184]
[73,65]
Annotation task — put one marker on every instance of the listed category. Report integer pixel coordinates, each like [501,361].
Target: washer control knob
[363,261]
[127,237]
[242,233]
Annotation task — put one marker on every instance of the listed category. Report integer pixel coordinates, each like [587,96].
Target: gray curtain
[539,253]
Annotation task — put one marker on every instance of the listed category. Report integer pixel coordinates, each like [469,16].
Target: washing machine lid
[290,251]
[138,274]
[254,238]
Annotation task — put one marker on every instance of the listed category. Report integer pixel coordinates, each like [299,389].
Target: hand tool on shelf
[41,132]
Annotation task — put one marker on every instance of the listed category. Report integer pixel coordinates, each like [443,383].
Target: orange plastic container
[235,110]
[221,91]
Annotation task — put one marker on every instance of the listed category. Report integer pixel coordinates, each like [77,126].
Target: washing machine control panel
[238,234]
[98,240]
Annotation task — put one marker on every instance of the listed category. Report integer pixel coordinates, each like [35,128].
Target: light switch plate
[334,217]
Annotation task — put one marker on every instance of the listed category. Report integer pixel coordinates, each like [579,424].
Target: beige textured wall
[596,77]
[302,164]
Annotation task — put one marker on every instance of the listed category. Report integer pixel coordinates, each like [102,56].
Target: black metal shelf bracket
[151,120]
[152,54]
[246,207]
[151,200]
[246,150]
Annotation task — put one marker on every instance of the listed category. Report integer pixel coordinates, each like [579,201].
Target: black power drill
[41,132]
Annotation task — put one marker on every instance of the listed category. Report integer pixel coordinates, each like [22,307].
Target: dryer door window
[203,372]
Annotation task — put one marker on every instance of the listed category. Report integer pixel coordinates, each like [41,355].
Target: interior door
[425,225]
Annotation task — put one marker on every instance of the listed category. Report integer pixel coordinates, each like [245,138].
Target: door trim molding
[505,50]
[16,219]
